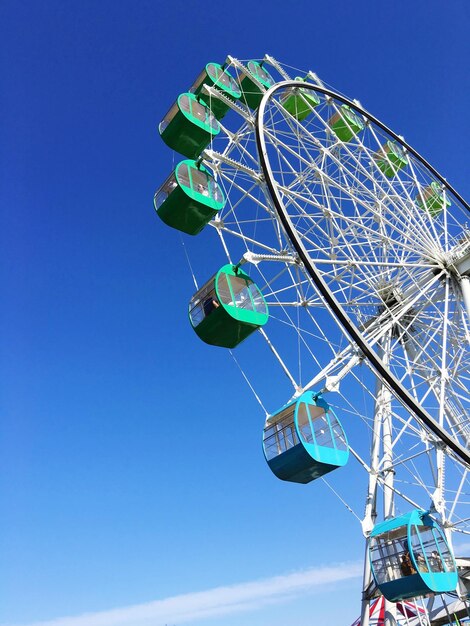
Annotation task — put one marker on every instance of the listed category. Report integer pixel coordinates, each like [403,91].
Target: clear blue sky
[131,462]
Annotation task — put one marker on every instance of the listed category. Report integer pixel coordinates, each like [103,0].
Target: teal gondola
[228,308]
[251,90]
[216,76]
[189,198]
[304,440]
[410,557]
[346,123]
[299,102]
[189,126]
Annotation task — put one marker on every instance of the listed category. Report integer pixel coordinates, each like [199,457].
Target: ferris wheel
[347,256]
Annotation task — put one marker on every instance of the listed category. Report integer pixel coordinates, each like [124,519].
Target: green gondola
[346,123]
[433,199]
[304,440]
[252,92]
[391,158]
[189,126]
[189,198]
[299,102]
[228,308]
[216,76]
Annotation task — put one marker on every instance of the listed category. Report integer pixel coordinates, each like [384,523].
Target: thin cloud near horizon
[240,597]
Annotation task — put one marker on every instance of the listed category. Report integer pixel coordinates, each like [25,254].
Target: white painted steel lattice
[362,251]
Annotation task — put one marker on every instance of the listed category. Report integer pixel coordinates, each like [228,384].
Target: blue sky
[132,473]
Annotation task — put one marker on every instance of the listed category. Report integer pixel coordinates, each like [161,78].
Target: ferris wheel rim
[380,368]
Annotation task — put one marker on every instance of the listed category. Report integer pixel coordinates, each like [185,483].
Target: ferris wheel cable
[189,262]
[246,194]
[240,236]
[401,461]
[428,489]
[299,335]
[336,213]
[333,214]
[340,327]
[239,146]
[409,298]
[445,405]
[457,496]
[455,423]
[399,493]
[323,176]
[410,429]
[415,350]
[420,261]
[322,336]
[323,373]
[374,337]
[248,382]
[278,357]
[341,499]
[304,342]
[333,364]
[394,317]
[325,150]
[391,380]
[408,372]
[240,141]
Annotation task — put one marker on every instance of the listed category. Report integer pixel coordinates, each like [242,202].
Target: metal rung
[241,110]
[272,61]
[211,155]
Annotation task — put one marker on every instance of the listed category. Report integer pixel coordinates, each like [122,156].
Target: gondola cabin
[304,440]
[410,557]
[189,198]
[390,158]
[216,76]
[346,123]
[189,126]
[252,91]
[299,102]
[433,199]
[228,308]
